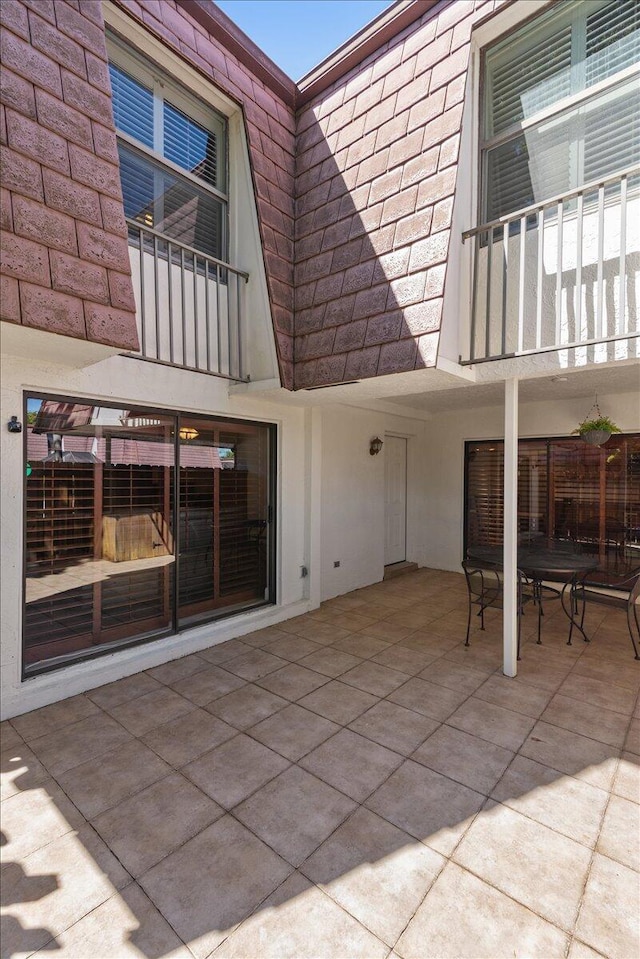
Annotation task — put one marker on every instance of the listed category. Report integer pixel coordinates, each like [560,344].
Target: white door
[395,500]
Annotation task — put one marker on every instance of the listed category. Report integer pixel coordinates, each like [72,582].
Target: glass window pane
[613,40]
[158,198]
[132,106]
[190,146]
[223,517]
[99,529]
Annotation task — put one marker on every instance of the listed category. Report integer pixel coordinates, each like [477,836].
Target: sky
[298,34]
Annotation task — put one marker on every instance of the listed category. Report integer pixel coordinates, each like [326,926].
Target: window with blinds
[172,152]
[567,490]
[561,103]
[139,523]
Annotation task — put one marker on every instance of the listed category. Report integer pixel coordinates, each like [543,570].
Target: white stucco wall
[445,436]
[352,511]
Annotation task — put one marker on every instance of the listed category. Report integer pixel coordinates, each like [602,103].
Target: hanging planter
[596,429]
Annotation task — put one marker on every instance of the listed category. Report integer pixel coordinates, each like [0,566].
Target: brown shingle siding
[60,258]
[399,113]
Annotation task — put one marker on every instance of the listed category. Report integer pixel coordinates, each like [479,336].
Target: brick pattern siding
[64,254]
[376,173]
[270,126]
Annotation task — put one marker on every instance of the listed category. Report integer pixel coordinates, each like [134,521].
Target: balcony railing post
[621,326]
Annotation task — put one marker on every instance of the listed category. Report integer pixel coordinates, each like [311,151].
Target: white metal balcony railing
[189,306]
[559,274]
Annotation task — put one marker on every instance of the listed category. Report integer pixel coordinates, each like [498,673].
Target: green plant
[602,423]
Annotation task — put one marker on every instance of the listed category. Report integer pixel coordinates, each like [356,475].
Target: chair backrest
[634,595]
[482,577]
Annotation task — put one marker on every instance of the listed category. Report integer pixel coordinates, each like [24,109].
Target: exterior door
[395,500]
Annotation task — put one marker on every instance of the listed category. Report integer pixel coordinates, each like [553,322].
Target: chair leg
[632,616]
[466,642]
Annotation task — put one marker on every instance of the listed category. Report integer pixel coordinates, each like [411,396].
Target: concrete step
[399,569]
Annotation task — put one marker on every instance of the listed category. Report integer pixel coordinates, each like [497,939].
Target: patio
[353,782]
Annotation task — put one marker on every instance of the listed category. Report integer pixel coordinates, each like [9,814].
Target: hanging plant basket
[595,437]
[596,429]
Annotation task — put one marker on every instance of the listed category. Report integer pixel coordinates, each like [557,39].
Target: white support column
[510,557]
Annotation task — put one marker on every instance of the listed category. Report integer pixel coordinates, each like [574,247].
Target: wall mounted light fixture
[375,446]
[188,433]
[14,425]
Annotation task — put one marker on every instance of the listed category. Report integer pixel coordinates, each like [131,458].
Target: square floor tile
[144,713]
[351,763]
[294,731]
[294,813]
[324,634]
[105,781]
[572,754]
[19,769]
[73,745]
[9,737]
[375,871]
[599,693]
[177,669]
[430,699]
[338,702]
[620,835]
[608,919]
[208,684]
[330,662]
[375,679]
[362,646]
[298,921]
[255,665]
[127,926]
[497,725]
[246,706]
[407,661]
[114,694]
[592,721]
[60,883]
[390,632]
[394,726]
[213,882]
[464,916]
[627,779]
[43,721]
[233,771]
[467,759]
[434,809]
[511,694]
[292,647]
[569,806]
[224,652]
[293,682]
[186,738]
[529,862]
[33,819]
[142,830]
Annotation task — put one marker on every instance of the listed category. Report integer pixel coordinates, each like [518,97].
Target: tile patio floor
[352,783]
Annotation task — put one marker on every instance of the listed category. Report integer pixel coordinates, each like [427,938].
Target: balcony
[558,275]
[189,306]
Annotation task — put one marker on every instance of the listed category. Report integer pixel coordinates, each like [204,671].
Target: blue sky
[298,34]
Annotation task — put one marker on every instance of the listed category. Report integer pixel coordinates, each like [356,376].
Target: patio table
[555,565]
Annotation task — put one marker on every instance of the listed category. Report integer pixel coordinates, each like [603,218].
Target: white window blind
[561,103]
[172,156]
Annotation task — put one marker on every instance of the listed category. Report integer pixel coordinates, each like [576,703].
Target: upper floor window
[172,155]
[561,103]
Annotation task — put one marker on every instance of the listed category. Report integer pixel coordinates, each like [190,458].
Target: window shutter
[613,39]
[132,106]
[523,80]
[189,145]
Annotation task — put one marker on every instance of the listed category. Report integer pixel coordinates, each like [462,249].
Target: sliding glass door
[139,523]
